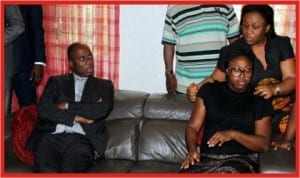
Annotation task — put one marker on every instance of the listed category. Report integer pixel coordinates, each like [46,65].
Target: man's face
[82,61]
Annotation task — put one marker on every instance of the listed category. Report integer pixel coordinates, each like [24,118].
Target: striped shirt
[199,32]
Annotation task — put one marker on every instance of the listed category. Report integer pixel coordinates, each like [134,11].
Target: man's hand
[61,105]
[192,92]
[83,120]
[190,159]
[37,74]
[171,83]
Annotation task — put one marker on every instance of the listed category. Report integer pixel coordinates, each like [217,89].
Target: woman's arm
[285,87]
[288,138]
[288,83]
[193,88]
[194,125]
[261,140]
[258,142]
[191,134]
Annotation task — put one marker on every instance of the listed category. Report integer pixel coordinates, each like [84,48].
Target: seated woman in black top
[237,124]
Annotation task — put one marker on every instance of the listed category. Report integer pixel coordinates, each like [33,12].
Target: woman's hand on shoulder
[190,159]
[192,91]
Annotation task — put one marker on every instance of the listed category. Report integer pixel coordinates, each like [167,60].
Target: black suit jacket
[61,89]
[29,47]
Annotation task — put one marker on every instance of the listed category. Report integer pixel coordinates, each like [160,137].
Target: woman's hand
[265,91]
[220,137]
[192,91]
[287,145]
[190,159]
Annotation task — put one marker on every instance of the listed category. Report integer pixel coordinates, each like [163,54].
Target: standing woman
[274,67]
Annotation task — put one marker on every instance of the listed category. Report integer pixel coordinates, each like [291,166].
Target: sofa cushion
[128,104]
[122,140]
[166,106]
[122,124]
[279,161]
[162,140]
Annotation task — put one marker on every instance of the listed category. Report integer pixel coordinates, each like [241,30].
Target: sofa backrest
[128,104]
[162,134]
[167,106]
[123,124]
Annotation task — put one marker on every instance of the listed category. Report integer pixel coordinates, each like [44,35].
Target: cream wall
[141,57]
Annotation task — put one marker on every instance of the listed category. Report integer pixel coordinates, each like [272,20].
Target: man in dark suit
[72,112]
[29,52]
[14,27]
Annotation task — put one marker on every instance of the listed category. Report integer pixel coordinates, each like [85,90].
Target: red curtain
[95,25]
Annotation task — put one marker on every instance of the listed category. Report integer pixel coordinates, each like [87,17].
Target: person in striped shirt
[196,33]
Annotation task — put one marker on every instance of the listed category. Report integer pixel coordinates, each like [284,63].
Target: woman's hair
[236,52]
[265,11]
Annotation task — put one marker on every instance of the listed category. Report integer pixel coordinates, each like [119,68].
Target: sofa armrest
[280,161]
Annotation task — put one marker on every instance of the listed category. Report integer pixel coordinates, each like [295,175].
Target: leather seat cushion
[162,140]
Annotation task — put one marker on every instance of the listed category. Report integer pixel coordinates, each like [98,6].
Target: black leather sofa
[146,135]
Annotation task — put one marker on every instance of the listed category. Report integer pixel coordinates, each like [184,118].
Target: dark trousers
[8,95]
[25,91]
[9,72]
[63,153]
